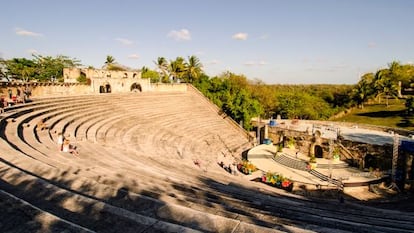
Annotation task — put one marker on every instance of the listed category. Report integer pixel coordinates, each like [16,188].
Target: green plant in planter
[312,162]
[280,147]
[291,143]
[336,155]
[312,159]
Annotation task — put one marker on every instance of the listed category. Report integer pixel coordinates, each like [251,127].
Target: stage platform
[291,164]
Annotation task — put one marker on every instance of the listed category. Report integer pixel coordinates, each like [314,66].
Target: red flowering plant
[277,180]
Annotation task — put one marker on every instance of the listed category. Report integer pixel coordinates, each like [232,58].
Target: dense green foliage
[179,70]
[232,95]
[40,68]
[82,79]
[409,105]
[384,84]
[303,106]
[302,101]
[152,75]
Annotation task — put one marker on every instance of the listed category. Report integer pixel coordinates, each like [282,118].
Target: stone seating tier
[129,176]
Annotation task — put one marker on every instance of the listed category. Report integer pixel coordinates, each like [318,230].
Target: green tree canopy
[193,69]
[162,66]
[41,68]
[364,89]
[231,93]
[303,106]
[177,68]
[48,67]
[147,73]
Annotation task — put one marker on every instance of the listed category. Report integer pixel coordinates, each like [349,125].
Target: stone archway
[318,151]
[108,88]
[136,87]
[316,148]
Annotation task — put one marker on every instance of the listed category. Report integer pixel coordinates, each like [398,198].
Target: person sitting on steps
[67,147]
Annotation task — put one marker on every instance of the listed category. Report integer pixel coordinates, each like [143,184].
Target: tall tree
[147,73]
[177,68]
[3,67]
[194,69]
[302,105]
[265,95]
[21,68]
[110,64]
[386,84]
[109,60]
[409,104]
[48,68]
[364,89]
[162,66]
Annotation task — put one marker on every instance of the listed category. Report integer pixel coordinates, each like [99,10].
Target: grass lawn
[379,114]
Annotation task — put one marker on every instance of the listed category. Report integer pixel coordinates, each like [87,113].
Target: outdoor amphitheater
[148,162]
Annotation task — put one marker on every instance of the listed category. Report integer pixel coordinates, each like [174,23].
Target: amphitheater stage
[329,174]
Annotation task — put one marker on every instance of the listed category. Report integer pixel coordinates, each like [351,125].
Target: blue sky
[278,42]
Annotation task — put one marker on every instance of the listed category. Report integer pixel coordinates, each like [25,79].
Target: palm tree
[194,68]
[177,68]
[385,84]
[162,66]
[109,60]
[364,89]
[144,69]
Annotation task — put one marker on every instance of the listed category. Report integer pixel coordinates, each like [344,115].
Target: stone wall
[45,89]
[305,143]
[105,81]
[66,89]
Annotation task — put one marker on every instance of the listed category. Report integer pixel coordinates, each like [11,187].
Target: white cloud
[264,37]
[124,41]
[180,35]
[372,45]
[133,56]
[250,63]
[255,63]
[32,51]
[262,63]
[22,32]
[341,65]
[240,36]
[213,62]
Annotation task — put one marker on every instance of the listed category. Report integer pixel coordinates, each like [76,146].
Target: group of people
[21,95]
[65,146]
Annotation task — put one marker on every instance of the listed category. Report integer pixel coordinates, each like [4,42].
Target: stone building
[108,81]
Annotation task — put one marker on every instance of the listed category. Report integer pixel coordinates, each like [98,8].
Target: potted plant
[279,148]
[246,167]
[277,180]
[291,143]
[336,155]
[312,162]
